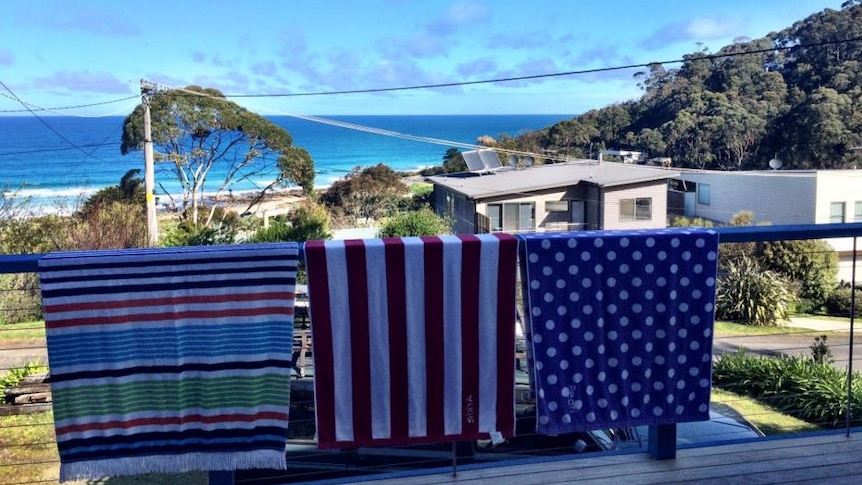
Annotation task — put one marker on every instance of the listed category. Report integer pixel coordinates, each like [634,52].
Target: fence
[28,452]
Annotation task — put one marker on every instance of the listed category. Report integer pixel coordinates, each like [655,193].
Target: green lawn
[765,418]
[27,448]
[11,333]
[730,329]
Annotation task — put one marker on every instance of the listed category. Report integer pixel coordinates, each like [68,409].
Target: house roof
[542,177]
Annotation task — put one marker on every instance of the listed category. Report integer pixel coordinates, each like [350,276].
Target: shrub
[811,265]
[423,222]
[17,374]
[366,193]
[752,295]
[682,221]
[130,190]
[820,351]
[185,235]
[21,300]
[838,302]
[107,225]
[222,229]
[307,222]
[802,387]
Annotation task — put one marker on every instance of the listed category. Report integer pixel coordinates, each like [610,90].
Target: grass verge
[18,333]
[28,453]
[730,329]
[765,418]
[27,449]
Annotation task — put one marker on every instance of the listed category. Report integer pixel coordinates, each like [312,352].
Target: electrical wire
[29,107]
[53,149]
[51,128]
[547,75]
[450,143]
[390,133]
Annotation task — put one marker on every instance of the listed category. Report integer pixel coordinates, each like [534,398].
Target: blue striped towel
[170,360]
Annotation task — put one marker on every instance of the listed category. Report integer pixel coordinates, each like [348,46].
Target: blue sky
[58,53]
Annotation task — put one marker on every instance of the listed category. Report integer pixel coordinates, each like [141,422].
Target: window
[836,212]
[556,206]
[858,215]
[495,214]
[512,216]
[703,196]
[639,209]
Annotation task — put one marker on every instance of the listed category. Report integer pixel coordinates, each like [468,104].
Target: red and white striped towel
[413,338]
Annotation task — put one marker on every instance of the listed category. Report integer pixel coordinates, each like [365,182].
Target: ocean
[73,157]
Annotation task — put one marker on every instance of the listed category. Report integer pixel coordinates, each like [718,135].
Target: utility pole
[147,89]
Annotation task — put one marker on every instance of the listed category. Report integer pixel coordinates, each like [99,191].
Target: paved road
[838,340]
[15,354]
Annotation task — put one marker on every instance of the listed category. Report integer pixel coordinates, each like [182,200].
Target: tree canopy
[795,94]
[366,193]
[194,133]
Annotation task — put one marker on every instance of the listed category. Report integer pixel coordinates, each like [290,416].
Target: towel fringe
[187,462]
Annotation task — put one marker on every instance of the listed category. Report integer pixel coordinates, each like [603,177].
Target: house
[577,195]
[775,197]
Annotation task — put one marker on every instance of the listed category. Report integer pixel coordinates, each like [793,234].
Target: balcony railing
[28,455]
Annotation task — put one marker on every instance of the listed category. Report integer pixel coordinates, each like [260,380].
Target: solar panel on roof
[490,159]
[474,163]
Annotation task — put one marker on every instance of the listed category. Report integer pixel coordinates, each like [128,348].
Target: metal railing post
[847,411]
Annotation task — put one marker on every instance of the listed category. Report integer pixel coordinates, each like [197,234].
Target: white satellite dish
[775,163]
[513,160]
[528,161]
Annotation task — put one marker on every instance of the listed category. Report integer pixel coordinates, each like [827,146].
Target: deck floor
[823,458]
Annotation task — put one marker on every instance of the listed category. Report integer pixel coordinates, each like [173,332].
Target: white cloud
[697,29]
[96,82]
[457,15]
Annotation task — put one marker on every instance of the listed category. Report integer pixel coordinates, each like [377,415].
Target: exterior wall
[838,186]
[841,186]
[544,220]
[777,198]
[785,198]
[457,208]
[612,196]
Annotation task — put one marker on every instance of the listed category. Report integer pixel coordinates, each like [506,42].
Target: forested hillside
[796,94]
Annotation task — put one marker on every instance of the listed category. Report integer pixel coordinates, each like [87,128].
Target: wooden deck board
[804,459]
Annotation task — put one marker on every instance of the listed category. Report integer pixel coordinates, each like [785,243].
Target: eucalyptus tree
[198,133]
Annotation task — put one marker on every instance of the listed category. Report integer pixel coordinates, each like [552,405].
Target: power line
[53,149]
[389,133]
[47,125]
[546,75]
[29,107]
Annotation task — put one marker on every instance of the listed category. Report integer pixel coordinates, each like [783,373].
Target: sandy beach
[284,202]
[272,205]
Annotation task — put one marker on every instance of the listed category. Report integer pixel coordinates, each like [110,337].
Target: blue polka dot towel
[621,326]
